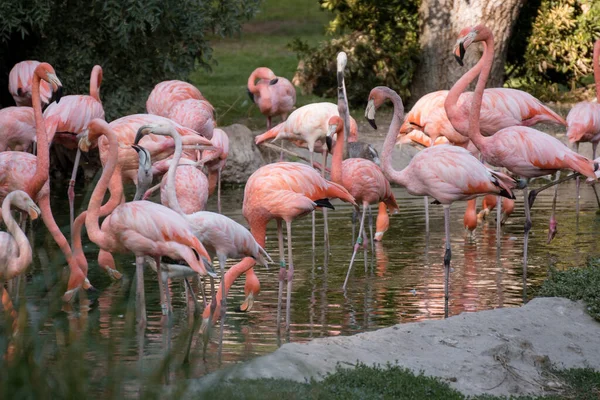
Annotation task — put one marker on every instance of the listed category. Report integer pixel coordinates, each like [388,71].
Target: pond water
[404,283]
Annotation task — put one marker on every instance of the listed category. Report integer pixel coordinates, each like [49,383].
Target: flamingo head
[376,99]
[335,126]
[466,37]
[22,201]
[144,177]
[96,128]
[159,128]
[342,60]
[46,72]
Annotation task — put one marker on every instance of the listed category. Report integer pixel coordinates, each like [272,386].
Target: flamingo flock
[476,144]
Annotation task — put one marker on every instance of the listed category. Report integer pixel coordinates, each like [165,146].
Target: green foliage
[558,56]
[576,284]
[137,42]
[382,48]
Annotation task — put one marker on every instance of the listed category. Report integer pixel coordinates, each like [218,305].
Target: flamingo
[363,179]
[215,160]
[141,227]
[272,94]
[195,114]
[383,222]
[489,203]
[167,94]
[470,217]
[70,118]
[20,85]
[446,173]
[583,121]
[221,235]
[17,128]
[282,191]
[521,150]
[26,172]
[15,250]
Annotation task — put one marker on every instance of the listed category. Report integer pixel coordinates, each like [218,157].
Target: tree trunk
[442,20]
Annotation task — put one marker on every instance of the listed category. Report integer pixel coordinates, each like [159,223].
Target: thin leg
[325,224]
[354,218]
[356,246]
[203,292]
[553,224]
[140,297]
[167,294]
[290,277]
[447,258]
[526,238]
[193,296]
[371,229]
[365,240]
[498,221]
[161,289]
[219,190]
[222,262]
[426,198]
[281,271]
[577,184]
[71,190]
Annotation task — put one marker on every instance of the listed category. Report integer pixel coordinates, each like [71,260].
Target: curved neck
[24,259]
[486,67]
[338,155]
[596,61]
[95,82]
[172,172]
[43,153]
[91,221]
[390,141]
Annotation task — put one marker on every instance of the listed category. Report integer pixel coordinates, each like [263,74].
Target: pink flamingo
[167,94]
[470,217]
[523,151]
[363,179]
[26,172]
[215,161]
[220,235]
[141,227]
[282,191]
[583,121]
[71,117]
[383,222]
[272,94]
[20,85]
[17,128]
[489,203]
[446,173]
[195,114]
[15,250]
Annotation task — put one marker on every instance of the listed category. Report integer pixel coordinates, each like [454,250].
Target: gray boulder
[244,157]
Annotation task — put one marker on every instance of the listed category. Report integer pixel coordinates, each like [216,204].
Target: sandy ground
[499,352]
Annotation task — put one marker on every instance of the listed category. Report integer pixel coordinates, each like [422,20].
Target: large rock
[244,157]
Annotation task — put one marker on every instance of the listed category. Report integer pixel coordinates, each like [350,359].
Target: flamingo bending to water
[167,94]
[20,84]
[521,150]
[446,173]
[272,94]
[141,227]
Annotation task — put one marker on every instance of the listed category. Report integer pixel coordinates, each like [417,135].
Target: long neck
[19,264]
[251,82]
[172,172]
[596,60]
[95,81]
[488,59]
[43,156]
[338,156]
[390,141]
[91,221]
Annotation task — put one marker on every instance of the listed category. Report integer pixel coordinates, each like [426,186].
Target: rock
[244,157]
[499,352]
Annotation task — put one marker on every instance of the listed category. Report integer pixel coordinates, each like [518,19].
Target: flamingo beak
[56,85]
[273,81]
[370,113]
[142,131]
[34,211]
[459,52]
[209,268]
[250,94]
[248,303]
[84,143]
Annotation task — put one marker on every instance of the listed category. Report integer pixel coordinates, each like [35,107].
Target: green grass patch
[263,42]
[576,284]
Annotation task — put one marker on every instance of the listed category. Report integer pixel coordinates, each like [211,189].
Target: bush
[558,56]
[138,43]
[382,48]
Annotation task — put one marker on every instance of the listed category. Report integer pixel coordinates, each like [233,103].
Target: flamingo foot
[552,229]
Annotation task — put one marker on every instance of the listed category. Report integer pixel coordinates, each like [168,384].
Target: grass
[263,42]
[390,382]
[576,284]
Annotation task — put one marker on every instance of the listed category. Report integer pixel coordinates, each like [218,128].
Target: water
[404,282]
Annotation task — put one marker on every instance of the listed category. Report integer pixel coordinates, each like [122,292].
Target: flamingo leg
[527,229]
[325,224]
[219,190]
[498,220]
[594,147]
[365,247]
[426,198]
[356,246]
[213,297]
[354,218]
[553,223]
[371,229]
[161,289]
[203,292]
[447,258]
[577,183]
[290,277]
[140,297]
[281,271]
[191,293]
[313,213]
[222,262]
[71,190]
